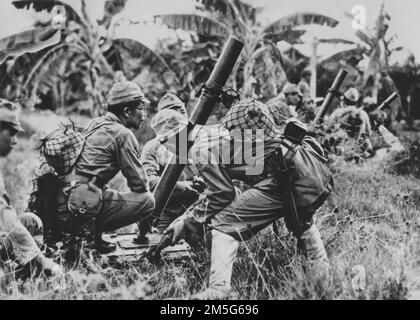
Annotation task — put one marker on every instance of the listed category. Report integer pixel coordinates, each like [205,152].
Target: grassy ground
[372,221]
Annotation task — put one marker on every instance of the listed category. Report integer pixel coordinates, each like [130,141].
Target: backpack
[62,148]
[312,181]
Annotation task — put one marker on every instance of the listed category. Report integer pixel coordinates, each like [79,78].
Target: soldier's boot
[103,247]
[318,265]
[223,253]
[144,227]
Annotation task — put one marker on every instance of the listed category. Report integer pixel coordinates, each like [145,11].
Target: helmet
[171,101]
[351,96]
[168,122]
[125,92]
[250,114]
[291,88]
[9,113]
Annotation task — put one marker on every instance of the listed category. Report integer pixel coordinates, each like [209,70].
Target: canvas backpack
[312,181]
[62,148]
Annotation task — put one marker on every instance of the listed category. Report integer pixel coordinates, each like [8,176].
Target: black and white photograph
[209,150]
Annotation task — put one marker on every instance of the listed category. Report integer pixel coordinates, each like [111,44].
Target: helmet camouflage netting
[250,114]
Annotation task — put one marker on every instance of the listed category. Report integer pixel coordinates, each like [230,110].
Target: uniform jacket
[109,148]
[13,232]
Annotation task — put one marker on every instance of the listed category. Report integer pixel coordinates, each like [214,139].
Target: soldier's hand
[177,229]
[185,186]
[186,189]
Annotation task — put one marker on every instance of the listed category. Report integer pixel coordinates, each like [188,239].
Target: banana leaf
[299,19]
[28,42]
[195,23]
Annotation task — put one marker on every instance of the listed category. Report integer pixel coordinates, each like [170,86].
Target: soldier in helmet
[354,121]
[110,147]
[19,234]
[233,217]
[286,105]
[293,97]
[171,116]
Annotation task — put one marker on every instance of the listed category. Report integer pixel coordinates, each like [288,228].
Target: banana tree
[378,47]
[260,70]
[85,59]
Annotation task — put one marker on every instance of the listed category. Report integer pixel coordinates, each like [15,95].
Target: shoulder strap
[87,133]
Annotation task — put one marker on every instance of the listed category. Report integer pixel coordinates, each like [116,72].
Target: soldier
[234,218]
[280,112]
[171,116]
[286,105]
[293,98]
[308,111]
[19,235]
[354,121]
[110,147]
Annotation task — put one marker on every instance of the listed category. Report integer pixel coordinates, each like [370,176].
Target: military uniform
[349,128]
[354,121]
[237,217]
[110,147]
[356,127]
[155,157]
[17,233]
[170,119]
[241,215]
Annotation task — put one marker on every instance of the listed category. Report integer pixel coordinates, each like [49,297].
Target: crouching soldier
[234,218]
[171,118]
[19,235]
[354,122]
[109,147]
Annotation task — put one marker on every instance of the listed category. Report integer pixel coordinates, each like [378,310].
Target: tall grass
[372,220]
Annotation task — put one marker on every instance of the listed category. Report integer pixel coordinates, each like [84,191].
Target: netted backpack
[62,148]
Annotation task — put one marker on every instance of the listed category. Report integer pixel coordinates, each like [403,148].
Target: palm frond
[299,19]
[72,12]
[337,41]
[290,36]
[344,55]
[28,42]
[48,58]
[193,22]
[224,7]
[134,53]
[365,37]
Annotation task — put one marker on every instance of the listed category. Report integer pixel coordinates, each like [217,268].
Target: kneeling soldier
[171,117]
[18,234]
[110,147]
[234,218]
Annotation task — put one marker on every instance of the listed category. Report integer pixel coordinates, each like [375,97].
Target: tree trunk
[313,64]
